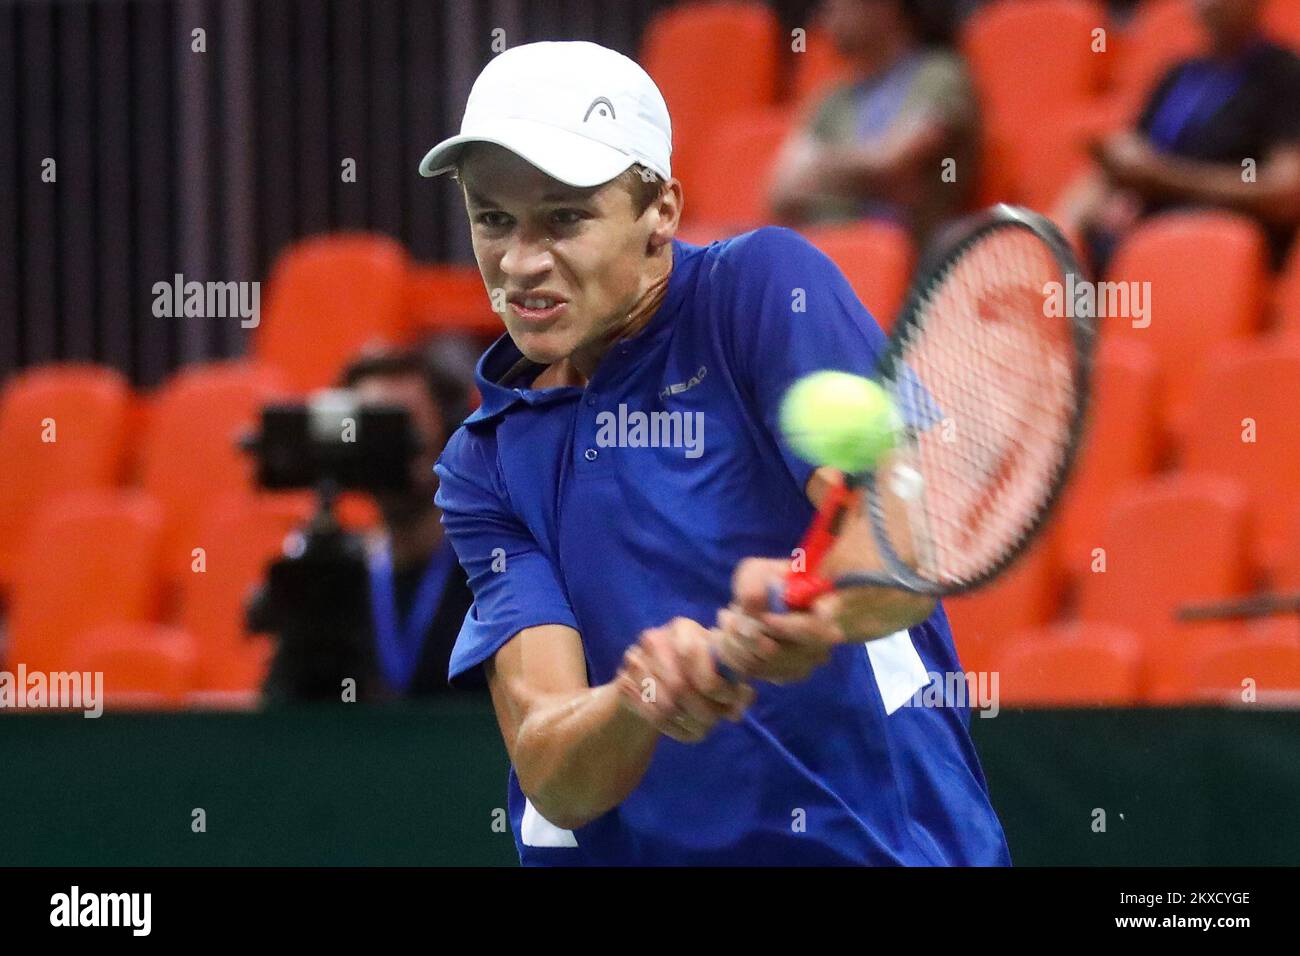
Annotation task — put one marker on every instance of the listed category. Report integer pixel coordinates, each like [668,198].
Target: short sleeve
[788,311]
[1157,98]
[514,583]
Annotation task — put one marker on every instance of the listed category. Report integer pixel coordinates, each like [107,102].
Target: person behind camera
[417,589]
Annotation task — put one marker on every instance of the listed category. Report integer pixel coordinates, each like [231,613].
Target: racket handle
[804,587]
[776,599]
[801,588]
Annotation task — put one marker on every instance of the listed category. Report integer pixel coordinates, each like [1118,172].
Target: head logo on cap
[608,112]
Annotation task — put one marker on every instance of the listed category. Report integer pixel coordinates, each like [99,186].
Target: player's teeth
[537,303]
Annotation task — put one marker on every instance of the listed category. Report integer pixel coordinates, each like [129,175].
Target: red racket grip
[805,586]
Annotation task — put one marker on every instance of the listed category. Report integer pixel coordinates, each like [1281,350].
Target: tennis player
[624,479]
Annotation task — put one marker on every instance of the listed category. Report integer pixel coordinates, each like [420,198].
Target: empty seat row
[94,562]
[1108,665]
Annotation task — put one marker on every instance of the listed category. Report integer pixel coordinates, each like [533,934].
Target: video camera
[315,598]
[332,442]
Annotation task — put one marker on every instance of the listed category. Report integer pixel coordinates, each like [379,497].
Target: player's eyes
[567,217]
[558,219]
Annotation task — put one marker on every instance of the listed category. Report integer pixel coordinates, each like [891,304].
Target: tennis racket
[991,387]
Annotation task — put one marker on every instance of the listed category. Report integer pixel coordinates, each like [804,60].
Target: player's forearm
[580,756]
[867,613]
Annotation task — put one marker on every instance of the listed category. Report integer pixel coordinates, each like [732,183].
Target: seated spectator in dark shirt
[1205,120]
[418,591]
[875,146]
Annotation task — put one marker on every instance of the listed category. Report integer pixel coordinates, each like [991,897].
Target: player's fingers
[649,696]
[788,651]
[752,580]
[745,647]
[807,630]
[660,659]
[705,698]
[674,698]
[685,729]
[695,647]
[637,686]
[745,695]
[782,663]
[792,634]
[656,701]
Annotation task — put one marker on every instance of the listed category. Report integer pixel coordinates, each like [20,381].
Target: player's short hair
[644,184]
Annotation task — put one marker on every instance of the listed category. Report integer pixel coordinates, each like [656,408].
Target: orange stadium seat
[999,177]
[685,47]
[1119,446]
[1276,627]
[1286,295]
[1271,664]
[1070,665]
[190,456]
[91,559]
[1031,59]
[1244,423]
[329,297]
[1026,596]
[144,665]
[138,419]
[241,535]
[1208,275]
[1287,573]
[1168,542]
[449,298]
[1049,155]
[728,201]
[876,258]
[85,409]
[818,67]
[1161,33]
[1046,158]
[1282,21]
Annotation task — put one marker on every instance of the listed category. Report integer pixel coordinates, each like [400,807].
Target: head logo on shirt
[678,387]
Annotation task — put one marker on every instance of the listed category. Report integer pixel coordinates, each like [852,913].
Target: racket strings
[987,383]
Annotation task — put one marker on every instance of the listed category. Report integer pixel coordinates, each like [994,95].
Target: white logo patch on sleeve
[899,670]
[536,830]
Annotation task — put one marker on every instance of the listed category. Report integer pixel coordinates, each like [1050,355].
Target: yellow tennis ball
[841,420]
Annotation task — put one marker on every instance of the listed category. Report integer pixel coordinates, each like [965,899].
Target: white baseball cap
[579,112]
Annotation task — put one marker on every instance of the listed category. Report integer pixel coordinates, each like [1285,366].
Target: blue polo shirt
[580,506]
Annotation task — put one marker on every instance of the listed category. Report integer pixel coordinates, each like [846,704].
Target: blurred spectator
[1207,117]
[418,591]
[874,146]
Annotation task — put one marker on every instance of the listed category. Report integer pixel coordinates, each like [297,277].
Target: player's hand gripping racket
[989,378]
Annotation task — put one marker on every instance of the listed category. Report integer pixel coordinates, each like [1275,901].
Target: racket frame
[939,258]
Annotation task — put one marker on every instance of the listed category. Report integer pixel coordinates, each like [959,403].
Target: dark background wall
[418,786]
[207,164]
